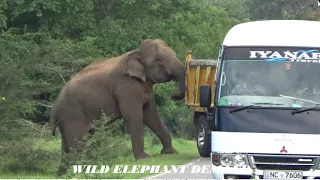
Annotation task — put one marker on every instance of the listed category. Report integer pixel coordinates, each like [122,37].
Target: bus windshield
[283,77]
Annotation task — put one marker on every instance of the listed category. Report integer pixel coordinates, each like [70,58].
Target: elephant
[120,86]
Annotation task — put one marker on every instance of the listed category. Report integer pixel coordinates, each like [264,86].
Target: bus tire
[203,137]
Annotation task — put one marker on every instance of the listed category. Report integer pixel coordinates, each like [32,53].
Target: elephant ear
[134,66]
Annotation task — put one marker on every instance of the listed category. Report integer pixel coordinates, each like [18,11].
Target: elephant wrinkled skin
[120,86]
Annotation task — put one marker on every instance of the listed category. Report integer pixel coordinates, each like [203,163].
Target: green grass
[187,151]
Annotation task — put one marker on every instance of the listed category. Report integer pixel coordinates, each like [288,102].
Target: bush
[26,156]
[105,146]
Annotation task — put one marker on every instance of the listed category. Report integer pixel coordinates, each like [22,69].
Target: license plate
[282,175]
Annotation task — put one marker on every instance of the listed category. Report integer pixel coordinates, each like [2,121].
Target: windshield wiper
[241,108]
[252,105]
[306,109]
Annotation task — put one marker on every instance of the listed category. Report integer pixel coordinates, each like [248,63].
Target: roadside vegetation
[44,43]
[39,157]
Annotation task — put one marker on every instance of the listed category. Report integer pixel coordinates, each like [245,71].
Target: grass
[187,151]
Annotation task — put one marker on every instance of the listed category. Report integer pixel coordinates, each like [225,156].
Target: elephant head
[155,61]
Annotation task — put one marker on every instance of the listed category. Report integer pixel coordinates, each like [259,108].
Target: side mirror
[205,95]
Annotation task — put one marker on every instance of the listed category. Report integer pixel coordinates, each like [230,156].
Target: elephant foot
[61,171]
[142,156]
[170,150]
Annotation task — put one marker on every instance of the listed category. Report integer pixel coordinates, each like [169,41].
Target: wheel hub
[201,136]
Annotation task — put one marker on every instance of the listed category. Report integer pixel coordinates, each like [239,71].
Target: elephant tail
[53,129]
[53,125]
[53,121]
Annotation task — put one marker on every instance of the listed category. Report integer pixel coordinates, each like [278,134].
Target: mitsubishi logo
[283,150]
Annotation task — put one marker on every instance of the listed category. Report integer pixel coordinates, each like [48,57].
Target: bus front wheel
[203,137]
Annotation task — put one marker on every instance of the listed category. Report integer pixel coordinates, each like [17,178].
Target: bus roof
[299,33]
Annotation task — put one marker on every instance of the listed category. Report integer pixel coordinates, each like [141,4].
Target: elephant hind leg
[62,169]
[71,135]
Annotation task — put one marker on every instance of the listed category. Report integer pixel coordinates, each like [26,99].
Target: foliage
[40,156]
[46,43]
[236,8]
[251,10]
[283,9]
[29,160]
[103,148]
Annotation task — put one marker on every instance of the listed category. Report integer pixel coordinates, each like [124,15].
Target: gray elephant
[120,86]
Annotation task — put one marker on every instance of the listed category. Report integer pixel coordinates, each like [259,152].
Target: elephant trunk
[179,75]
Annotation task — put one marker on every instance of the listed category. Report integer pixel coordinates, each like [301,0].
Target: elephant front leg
[152,119]
[137,139]
[132,113]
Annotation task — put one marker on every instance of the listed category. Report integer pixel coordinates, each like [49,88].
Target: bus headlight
[240,160]
[226,160]
[229,160]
